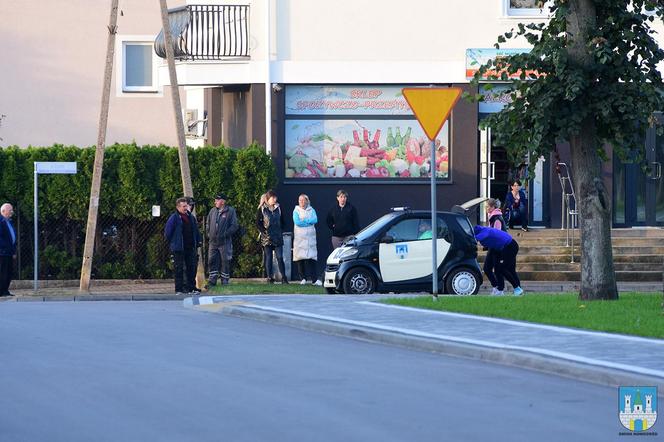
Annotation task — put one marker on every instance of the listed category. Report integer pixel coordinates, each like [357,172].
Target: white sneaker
[304,281]
[318,282]
[496,292]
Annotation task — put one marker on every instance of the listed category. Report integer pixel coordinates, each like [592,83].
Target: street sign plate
[60,167]
[432,106]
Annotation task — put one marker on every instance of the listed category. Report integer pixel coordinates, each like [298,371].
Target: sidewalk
[596,357]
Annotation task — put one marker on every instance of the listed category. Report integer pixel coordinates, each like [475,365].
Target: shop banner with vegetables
[346,132]
[362,149]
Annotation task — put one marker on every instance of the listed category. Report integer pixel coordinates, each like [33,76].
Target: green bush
[134,179]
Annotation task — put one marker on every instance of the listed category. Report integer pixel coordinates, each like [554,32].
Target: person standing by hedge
[183,238]
[305,252]
[342,219]
[270,224]
[7,248]
[221,226]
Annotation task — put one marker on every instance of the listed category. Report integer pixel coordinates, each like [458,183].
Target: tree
[591,79]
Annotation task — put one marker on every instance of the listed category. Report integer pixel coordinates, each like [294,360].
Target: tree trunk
[598,279]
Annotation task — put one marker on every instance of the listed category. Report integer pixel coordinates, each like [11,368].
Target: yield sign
[431,106]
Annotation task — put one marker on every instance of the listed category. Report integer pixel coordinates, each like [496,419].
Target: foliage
[618,86]
[134,179]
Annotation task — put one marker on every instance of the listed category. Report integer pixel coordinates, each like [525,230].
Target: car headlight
[345,253]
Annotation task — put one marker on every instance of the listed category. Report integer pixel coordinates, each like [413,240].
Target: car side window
[443,231]
[406,230]
[424,229]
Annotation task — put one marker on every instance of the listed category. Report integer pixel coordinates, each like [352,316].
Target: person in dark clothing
[493,256]
[221,226]
[183,238]
[508,248]
[7,248]
[270,223]
[516,206]
[342,219]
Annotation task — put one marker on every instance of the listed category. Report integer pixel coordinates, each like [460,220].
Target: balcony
[207,32]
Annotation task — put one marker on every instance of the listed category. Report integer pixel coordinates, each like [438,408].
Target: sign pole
[56,167]
[36,212]
[432,107]
[434,227]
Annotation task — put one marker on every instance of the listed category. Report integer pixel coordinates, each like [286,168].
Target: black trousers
[6,270]
[184,270]
[219,262]
[306,268]
[495,277]
[267,260]
[507,265]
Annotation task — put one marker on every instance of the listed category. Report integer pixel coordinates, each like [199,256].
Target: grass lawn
[633,314]
[261,288]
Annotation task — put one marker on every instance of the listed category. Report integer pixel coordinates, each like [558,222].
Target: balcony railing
[207,32]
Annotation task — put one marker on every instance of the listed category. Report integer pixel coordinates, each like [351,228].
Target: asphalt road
[154,371]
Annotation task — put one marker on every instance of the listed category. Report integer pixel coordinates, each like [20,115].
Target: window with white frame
[527,8]
[139,69]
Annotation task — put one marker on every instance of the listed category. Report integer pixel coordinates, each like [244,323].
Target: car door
[407,255]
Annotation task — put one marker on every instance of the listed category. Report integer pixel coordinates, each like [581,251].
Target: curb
[504,356]
[100,297]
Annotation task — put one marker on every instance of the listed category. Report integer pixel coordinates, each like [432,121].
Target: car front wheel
[462,282]
[359,281]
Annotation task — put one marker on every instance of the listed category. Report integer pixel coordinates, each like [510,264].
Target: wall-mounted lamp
[276,87]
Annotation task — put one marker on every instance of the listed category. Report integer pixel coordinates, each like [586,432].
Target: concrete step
[655,232]
[618,242]
[569,267]
[576,276]
[617,250]
[566,258]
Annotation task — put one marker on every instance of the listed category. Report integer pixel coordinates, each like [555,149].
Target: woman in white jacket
[305,252]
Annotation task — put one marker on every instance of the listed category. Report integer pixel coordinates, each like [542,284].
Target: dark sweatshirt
[342,221]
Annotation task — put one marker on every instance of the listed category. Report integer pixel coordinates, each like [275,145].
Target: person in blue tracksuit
[508,248]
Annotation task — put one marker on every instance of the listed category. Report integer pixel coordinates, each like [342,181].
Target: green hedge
[134,179]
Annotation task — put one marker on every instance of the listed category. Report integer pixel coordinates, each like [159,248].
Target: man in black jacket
[221,226]
[342,219]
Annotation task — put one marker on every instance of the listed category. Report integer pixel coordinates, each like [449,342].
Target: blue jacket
[509,200]
[7,246]
[173,232]
[492,238]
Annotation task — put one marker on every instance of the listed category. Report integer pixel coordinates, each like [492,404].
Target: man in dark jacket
[221,226]
[342,219]
[7,248]
[183,238]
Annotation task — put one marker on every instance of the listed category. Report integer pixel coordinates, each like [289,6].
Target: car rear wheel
[462,281]
[359,281]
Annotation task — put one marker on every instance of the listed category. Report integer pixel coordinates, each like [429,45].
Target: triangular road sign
[432,106]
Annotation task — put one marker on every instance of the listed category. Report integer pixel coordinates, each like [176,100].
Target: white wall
[51,78]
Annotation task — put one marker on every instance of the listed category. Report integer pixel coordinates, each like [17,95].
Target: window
[406,230]
[139,72]
[526,8]
[416,229]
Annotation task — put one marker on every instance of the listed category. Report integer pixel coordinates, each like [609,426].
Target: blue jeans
[267,260]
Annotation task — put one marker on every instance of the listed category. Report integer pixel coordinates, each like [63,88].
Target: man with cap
[221,226]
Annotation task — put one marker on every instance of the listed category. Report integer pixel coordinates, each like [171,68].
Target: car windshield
[374,227]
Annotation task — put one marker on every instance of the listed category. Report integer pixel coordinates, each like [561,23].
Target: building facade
[317,83]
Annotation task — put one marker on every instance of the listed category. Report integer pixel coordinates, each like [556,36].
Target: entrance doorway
[638,195]
[496,175]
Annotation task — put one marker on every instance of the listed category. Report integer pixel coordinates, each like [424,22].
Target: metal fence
[125,248]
